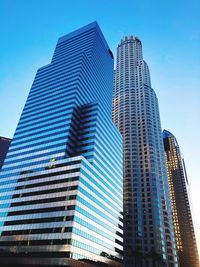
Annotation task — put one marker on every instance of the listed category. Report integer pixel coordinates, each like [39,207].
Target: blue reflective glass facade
[61,183]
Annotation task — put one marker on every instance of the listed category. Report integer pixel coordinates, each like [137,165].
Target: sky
[169,31]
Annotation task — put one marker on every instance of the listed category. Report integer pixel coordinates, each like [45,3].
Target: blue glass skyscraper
[61,182]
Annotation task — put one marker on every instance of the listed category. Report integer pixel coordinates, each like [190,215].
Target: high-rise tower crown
[131,38]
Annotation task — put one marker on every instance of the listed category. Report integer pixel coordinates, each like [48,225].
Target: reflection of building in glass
[148,228]
[4,145]
[61,184]
[182,217]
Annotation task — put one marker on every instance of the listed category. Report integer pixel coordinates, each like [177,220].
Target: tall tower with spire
[148,229]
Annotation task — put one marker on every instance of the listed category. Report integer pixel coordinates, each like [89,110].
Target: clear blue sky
[170,33]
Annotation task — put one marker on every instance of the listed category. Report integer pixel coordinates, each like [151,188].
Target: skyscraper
[148,229]
[4,145]
[61,184]
[182,217]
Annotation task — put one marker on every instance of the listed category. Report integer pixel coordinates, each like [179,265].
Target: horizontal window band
[53,118]
[86,186]
[36,242]
[40,210]
[39,130]
[53,69]
[35,97]
[87,179]
[42,184]
[36,136]
[35,169]
[44,200]
[40,220]
[96,209]
[96,229]
[50,116]
[67,50]
[52,254]
[46,109]
[29,158]
[18,132]
[42,254]
[110,210]
[44,85]
[42,141]
[48,191]
[50,77]
[37,231]
[32,163]
[24,153]
[54,166]
[43,144]
[91,215]
[54,173]
[32,107]
[33,102]
[70,79]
